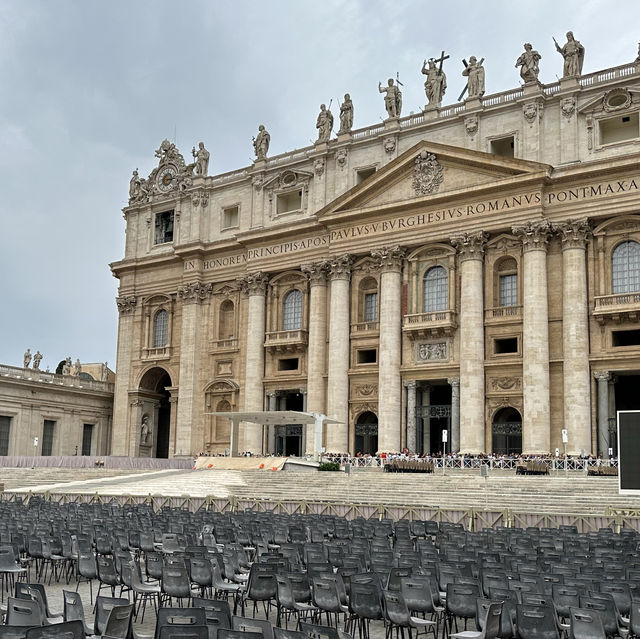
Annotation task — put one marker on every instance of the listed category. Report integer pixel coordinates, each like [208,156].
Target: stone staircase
[457,490]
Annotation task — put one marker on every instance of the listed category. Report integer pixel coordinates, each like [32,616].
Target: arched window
[292,311]
[625,265]
[226,320]
[160,329]
[368,300]
[507,282]
[435,294]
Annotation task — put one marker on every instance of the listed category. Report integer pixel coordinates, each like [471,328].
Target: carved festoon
[506,383]
[573,233]
[389,145]
[194,292]
[470,246]
[471,125]
[568,106]
[341,157]
[427,174]
[534,235]
[318,166]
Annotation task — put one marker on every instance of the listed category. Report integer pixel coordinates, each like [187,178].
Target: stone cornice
[194,292]
[340,267]
[126,304]
[254,283]
[470,246]
[391,257]
[534,235]
[573,233]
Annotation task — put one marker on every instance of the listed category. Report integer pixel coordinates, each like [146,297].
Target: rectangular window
[368,356]
[619,129]
[47,437]
[289,202]
[371,307]
[288,364]
[5,430]
[505,345]
[503,147]
[509,290]
[164,227]
[230,217]
[626,338]
[363,174]
[87,435]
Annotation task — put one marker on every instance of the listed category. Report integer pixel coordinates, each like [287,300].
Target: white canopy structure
[277,418]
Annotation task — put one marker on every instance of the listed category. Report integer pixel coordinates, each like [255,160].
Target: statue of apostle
[435,86]
[346,115]
[201,156]
[573,54]
[392,98]
[261,143]
[528,63]
[475,78]
[27,358]
[324,124]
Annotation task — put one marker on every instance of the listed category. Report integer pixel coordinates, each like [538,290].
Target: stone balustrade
[616,307]
[44,377]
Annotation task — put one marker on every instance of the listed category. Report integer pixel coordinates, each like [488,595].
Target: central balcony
[286,341]
[617,308]
[503,315]
[432,324]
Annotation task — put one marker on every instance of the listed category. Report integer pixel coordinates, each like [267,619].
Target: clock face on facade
[167,178]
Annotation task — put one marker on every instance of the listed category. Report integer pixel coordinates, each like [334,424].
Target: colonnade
[332,278]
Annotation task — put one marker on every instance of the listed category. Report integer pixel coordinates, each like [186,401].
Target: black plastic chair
[103,608]
[191,618]
[536,622]
[284,633]
[64,630]
[490,625]
[175,583]
[605,606]
[24,612]
[287,605]
[460,604]
[586,624]
[74,609]
[365,605]
[87,571]
[249,625]
[13,632]
[261,587]
[398,617]
[120,622]
[107,574]
[10,569]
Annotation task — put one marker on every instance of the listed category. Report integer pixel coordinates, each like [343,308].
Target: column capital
[340,267]
[317,272]
[411,384]
[573,233]
[254,283]
[390,257]
[194,292]
[470,246]
[454,382]
[534,235]
[602,376]
[273,393]
[126,304]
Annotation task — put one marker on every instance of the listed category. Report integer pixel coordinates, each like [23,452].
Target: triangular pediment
[430,172]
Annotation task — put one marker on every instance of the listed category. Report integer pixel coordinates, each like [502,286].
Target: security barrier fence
[473,519]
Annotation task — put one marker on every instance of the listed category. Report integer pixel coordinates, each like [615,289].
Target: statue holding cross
[474,72]
[435,85]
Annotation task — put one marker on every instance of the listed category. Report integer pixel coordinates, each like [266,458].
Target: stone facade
[69,415]
[474,268]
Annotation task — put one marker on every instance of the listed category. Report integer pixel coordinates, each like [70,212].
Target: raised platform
[241,463]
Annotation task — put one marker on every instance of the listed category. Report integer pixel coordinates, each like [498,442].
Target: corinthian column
[317,353]
[454,382]
[470,247]
[602,379]
[254,286]
[389,350]
[536,423]
[189,433]
[411,417]
[575,336]
[125,434]
[338,366]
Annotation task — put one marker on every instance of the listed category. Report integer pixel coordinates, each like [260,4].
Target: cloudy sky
[88,90]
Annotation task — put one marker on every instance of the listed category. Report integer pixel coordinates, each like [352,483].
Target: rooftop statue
[435,86]
[573,54]
[528,63]
[324,124]
[346,115]
[37,358]
[474,71]
[261,143]
[201,156]
[392,98]
[27,358]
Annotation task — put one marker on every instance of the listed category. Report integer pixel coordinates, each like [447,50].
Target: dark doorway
[432,417]
[289,437]
[156,381]
[506,432]
[626,398]
[366,441]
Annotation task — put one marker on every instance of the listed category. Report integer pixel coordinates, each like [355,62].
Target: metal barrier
[473,519]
